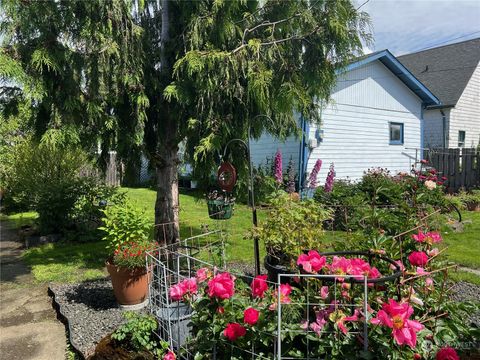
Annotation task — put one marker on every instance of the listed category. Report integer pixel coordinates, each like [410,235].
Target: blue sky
[405,26]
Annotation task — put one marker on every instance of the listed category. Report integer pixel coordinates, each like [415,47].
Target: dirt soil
[29,328]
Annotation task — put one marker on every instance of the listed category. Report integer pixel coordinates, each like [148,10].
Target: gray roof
[445,70]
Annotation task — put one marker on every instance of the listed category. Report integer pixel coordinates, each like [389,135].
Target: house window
[461,138]
[396,133]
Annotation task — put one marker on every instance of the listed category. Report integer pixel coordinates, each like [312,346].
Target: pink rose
[250,316]
[311,262]
[324,292]
[399,263]
[169,356]
[285,290]
[202,274]
[233,331]
[418,258]
[447,353]
[185,287]
[222,286]
[259,286]
[433,252]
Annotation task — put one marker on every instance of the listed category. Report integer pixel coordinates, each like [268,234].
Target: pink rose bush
[234,315]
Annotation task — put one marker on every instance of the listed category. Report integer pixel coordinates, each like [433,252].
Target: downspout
[301,155]
[444,129]
[422,131]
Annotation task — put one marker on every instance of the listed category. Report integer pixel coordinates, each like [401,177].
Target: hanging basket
[220,209]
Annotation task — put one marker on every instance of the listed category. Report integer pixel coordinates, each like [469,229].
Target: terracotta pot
[129,285]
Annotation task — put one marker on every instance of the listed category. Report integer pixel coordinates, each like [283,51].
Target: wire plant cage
[296,322]
[174,263]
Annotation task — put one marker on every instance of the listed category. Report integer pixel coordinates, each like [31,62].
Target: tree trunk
[166,158]
[167,204]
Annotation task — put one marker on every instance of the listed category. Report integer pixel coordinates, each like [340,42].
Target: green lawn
[464,247]
[71,262]
[194,214]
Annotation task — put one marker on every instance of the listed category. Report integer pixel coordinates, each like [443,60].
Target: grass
[464,276]
[67,262]
[72,262]
[20,219]
[464,247]
[194,216]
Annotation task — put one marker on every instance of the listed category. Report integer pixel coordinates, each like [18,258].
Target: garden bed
[90,311]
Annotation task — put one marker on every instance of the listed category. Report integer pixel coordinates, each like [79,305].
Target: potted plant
[127,232]
[220,205]
[291,228]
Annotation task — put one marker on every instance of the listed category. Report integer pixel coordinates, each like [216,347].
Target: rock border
[88,310]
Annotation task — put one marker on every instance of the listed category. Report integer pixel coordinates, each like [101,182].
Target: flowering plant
[132,254]
[127,233]
[324,318]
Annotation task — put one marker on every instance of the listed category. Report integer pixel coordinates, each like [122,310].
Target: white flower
[430,184]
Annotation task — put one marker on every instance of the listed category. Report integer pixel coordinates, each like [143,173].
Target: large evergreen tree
[151,74]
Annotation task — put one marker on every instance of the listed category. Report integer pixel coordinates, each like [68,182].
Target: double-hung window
[461,139]
[396,133]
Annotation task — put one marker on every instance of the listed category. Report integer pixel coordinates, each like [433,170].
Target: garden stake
[256,247]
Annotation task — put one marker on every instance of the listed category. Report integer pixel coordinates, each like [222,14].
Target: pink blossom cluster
[429,175]
[430,238]
[313,263]
[334,314]
[312,179]
[278,170]
[330,178]
[184,288]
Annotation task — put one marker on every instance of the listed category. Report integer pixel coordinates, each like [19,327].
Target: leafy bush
[137,334]
[384,204]
[47,179]
[292,226]
[88,210]
[467,200]
[127,232]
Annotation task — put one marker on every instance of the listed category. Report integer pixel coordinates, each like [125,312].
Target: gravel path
[464,291]
[91,311]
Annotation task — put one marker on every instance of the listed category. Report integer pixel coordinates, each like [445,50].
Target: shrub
[127,233]
[88,210]
[292,226]
[467,200]
[345,200]
[47,180]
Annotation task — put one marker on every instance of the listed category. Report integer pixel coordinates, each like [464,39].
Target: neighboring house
[452,73]
[373,120]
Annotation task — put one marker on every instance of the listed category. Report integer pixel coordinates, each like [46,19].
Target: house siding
[466,114]
[433,135]
[263,150]
[356,124]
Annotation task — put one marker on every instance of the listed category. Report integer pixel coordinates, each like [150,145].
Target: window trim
[402,131]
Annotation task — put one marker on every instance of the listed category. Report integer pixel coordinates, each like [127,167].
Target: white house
[452,73]
[375,119]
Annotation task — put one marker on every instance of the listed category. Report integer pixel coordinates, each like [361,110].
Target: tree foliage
[151,74]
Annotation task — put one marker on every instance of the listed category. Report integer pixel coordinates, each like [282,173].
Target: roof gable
[446,70]
[399,70]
